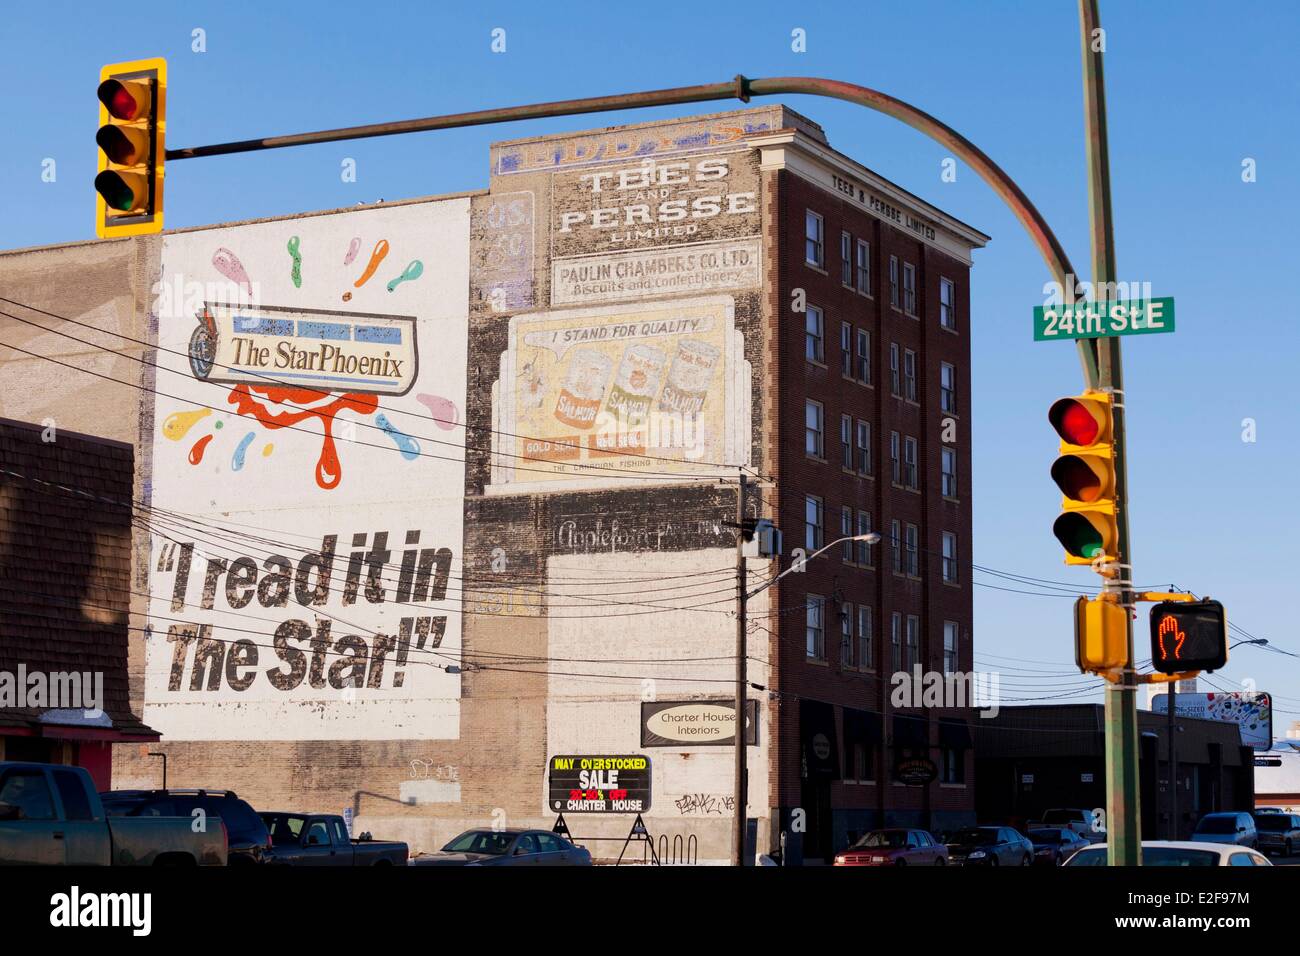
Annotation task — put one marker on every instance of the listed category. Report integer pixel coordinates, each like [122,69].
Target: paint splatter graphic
[353,248]
[411,272]
[237,459]
[200,446]
[329,472]
[376,257]
[267,449]
[228,264]
[408,446]
[178,424]
[295,273]
[443,410]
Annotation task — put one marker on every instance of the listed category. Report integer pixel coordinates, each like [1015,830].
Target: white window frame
[951,647]
[910,457]
[814,234]
[846,259]
[913,655]
[948,388]
[948,550]
[947,304]
[847,647]
[909,375]
[895,642]
[866,643]
[862,265]
[814,335]
[815,628]
[816,434]
[846,442]
[948,472]
[912,550]
[813,533]
[862,343]
[862,446]
[895,298]
[909,288]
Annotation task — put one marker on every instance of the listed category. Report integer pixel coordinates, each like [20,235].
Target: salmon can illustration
[583,388]
[636,382]
[687,388]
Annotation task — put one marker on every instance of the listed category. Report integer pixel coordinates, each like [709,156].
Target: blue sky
[1194,89]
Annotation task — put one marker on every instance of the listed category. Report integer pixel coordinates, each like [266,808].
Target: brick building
[401,541]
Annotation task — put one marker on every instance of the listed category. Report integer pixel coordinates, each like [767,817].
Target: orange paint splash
[328,470]
[200,446]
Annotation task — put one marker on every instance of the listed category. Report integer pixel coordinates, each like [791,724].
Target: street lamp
[743,594]
[1261,641]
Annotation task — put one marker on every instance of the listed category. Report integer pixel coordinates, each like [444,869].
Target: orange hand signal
[1169,625]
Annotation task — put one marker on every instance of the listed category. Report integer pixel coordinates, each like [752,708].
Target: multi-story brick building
[548,392]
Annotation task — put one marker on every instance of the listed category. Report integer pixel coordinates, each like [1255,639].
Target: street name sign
[1092,320]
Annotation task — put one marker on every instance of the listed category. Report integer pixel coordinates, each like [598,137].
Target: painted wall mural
[307,478]
[646,388]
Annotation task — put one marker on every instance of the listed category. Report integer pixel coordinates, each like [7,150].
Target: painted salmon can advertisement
[615,395]
[306,513]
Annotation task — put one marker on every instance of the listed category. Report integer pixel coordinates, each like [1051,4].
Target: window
[846,635]
[909,375]
[814,349]
[948,465]
[909,463]
[913,557]
[846,350]
[864,547]
[864,356]
[812,520]
[864,447]
[846,259]
[846,441]
[896,545]
[950,557]
[816,630]
[950,662]
[76,806]
[28,791]
[863,765]
[952,765]
[909,288]
[813,251]
[913,640]
[947,388]
[864,267]
[896,642]
[893,281]
[866,656]
[947,304]
[895,385]
[846,531]
[895,462]
[812,429]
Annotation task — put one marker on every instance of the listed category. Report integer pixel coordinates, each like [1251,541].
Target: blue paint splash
[408,446]
[237,460]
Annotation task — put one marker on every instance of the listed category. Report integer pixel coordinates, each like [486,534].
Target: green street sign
[1093,320]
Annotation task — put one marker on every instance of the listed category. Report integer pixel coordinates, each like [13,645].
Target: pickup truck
[321,839]
[51,815]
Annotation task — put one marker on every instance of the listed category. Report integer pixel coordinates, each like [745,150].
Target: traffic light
[1085,473]
[1188,636]
[131,138]
[1100,635]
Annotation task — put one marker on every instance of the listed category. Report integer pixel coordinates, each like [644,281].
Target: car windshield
[884,838]
[284,829]
[481,841]
[1061,816]
[1274,821]
[1177,856]
[976,836]
[1045,836]
[1217,825]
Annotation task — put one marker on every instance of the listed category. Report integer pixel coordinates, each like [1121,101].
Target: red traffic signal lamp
[1188,636]
[1085,473]
[131,139]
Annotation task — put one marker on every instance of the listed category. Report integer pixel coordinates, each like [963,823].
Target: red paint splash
[328,470]
[199,447]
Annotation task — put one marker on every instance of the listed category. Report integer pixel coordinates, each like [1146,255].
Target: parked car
[321,839]
[1177,853]
[51,815]
[894,848]
[248,838]
[990,846]
[1278,832]
[1230,827]
[1074,819]
[1053,845]
[506,848]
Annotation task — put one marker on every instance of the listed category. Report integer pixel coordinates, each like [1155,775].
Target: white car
[1177,853]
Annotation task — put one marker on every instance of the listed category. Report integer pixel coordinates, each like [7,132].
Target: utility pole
[742,621]
[1123,811]
[1173,764]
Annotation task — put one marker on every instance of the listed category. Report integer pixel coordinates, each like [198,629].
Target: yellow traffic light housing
[1085,473]
[1100,635]
[132,146]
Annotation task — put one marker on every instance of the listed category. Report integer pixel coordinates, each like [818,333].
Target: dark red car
[894,848]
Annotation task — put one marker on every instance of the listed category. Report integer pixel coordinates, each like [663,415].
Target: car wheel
[900,863]
[1027,861]
[940,861]
[993,861]
[1286,848]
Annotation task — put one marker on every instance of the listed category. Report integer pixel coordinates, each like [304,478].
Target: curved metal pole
[742,88]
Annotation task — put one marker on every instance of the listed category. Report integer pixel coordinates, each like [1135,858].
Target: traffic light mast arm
[1158,596]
